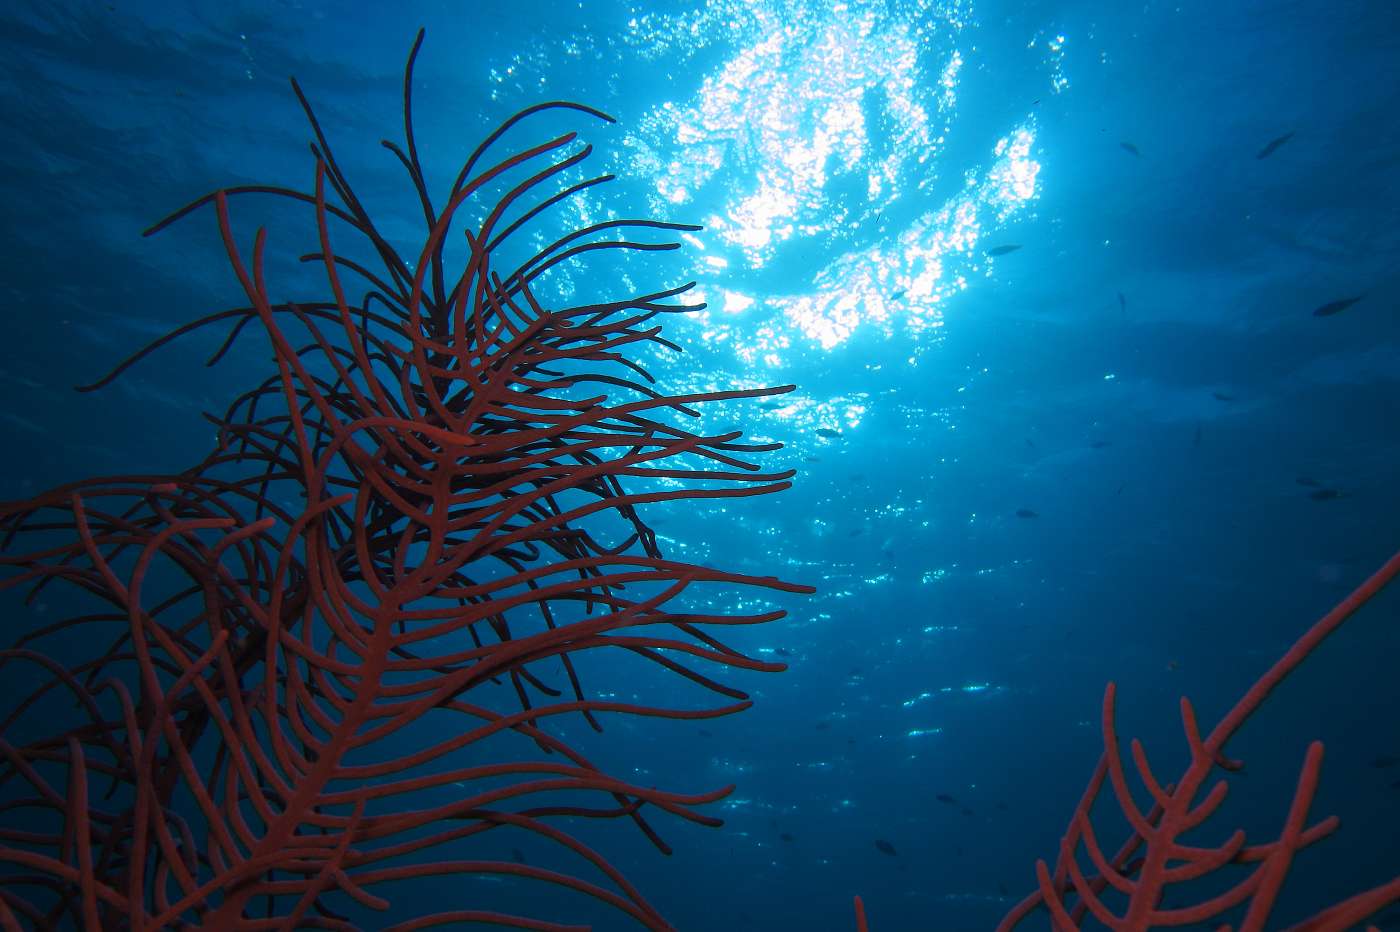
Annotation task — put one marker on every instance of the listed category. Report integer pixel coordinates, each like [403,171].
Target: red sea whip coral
[322,660]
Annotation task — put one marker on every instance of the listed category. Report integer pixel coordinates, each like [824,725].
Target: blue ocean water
[1045,276]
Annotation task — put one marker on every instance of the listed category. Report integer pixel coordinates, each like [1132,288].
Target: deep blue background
[1145,373]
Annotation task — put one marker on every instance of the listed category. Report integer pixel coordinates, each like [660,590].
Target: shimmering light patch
[973,688]
[843,413]
[808,98]
[734,302]
[921,697]
[1052,48]
[789,108]
[1011,179]
[910,278]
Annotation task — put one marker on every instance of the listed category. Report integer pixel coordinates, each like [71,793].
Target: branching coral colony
[1124,891]
[425,511]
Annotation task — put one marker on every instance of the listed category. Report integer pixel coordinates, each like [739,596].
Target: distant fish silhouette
[1336,307]
[1273,145]
[786,837]
[1309,482]
[1221,396]
[517,855]
[1121,487]
[828,432]
[898,294]
[1100,444]
[1325,495]
[947,799]
[885,847]
[1026,513]
[1385,761]
[1003,250]
[1122,303]
[1131,149]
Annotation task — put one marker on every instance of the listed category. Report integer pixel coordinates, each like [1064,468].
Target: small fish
[1026,513]
[1273,145]
[1131,149]
[1003,250]
[1100,444]
[1309,482]
[898,294]
[1324,495]
[786,836]
[782,652]
[811,459]
[772,405]
[946,799]
[823,726]
[1221,396]
[828,432]
[1196,438]
[1336,307]
[706,733]
[885,847]
[1121,487]
[1122,303]
[1385,760]
[1030,443]
[855,532]
[517,855]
